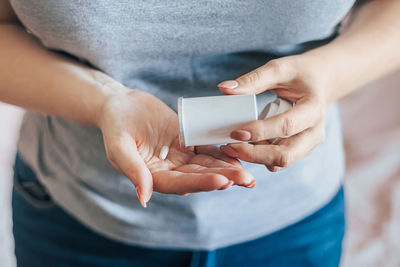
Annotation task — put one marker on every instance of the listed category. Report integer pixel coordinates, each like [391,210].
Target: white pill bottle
[210,120]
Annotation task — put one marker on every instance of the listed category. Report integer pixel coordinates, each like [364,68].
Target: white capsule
[164,152]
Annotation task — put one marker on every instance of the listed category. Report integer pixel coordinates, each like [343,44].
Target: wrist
[108,91]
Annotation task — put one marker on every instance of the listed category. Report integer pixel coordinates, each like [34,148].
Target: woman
[74,65]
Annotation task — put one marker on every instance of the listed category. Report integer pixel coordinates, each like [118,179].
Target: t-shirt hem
[185,244]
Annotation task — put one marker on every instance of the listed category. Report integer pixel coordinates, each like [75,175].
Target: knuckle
[284,66]
[216,181]
[287,126]
[236,172]
[252,77]
[277,66]
[264,134]
[248,153]
[258,131]
[285,158]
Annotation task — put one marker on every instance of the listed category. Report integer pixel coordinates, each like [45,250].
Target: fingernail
[227,185]
[229,84]
[250,181]
[230,151]
[139,195]
[252,184]
[241,135]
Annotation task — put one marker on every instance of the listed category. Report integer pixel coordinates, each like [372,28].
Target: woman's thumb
[126,156]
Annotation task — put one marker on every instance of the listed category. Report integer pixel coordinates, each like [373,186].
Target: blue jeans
[45,235]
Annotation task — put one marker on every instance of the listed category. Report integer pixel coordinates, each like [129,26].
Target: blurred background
[371,127]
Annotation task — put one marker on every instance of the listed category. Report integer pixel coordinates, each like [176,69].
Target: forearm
[368,49]
[39,80]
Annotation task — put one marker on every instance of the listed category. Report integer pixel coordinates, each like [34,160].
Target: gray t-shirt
[172,49]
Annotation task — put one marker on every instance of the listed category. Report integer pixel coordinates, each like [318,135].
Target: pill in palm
[164,152]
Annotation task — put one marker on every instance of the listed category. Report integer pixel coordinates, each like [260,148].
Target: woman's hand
[301,128]
[136,125]
[313,80]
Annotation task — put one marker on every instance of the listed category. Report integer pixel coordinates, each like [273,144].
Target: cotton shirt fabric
[171,49]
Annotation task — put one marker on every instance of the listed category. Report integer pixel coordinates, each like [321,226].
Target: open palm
[136,125]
